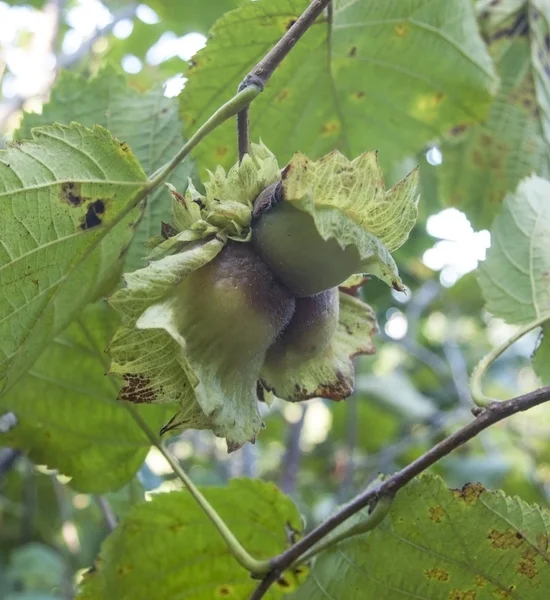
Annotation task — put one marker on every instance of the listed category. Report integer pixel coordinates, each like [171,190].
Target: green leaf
[386,84]
[168,548]
[66,217]
[191,15]
[482,162]
[67,412]
[468,544]
[541,359]
[515,278]
[148,122]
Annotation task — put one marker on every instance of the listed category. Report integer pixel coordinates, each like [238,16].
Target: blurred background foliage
[412,393]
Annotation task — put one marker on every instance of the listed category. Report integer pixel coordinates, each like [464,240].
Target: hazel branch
[484,418]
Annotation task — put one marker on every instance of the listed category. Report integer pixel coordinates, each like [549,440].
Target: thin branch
[260,74]
[107,512]
[492,414]
[291,460]
[477,376]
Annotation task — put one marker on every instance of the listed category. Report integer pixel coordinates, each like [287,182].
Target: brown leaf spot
[469,493]
[358,95]
[437,514]
[289,24]
[462,595]
[504,540]
[458,130]
[282,95]
[437,574]
[224,591]
[527,564]
[480,581]
[137,389]
[401,30]
[124,147]
[70,193]
[330,127]
[123,570]
[283,582]
[92,217]
[221,151]
[353,51]
[503,594]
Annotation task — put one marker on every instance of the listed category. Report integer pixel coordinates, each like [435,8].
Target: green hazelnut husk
[287,240]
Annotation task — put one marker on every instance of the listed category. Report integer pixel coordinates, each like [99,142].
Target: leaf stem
[476,381]
[252,565]
[484,418]
[260,74]
[375,517]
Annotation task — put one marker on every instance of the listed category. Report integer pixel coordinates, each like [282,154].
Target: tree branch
[486,417]
[261,73]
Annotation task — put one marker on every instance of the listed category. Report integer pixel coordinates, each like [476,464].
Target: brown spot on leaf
[70,193]
[289,24]
[124,570]
[437,574]
[282,95]
[504,540]
[458,129]
[462,595]
[353,51]
[527,564]
[480,581]
[124,147]
[358,95]
[543,541]
[137,389]
[283,582]
[401,30]
[437,514]
[469,493]
[92,217]
[224,591]
[330,127]
[221,151]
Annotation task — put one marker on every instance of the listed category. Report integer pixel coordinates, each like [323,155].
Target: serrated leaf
[541,359]
[191,15]
[348,202]
[386,83]
[66,218]
[482,162]
[515,278]
[168,548]
[468,544]
[331,373]
[67,413]
[148,122]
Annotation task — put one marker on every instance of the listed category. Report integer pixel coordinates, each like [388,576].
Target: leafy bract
[67,214]
[331,373]
[168,548]
[515,278]
[484,161]
[378,76]
[67,413]
[467,544]
[150,350]
[349,202]
[147,122]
